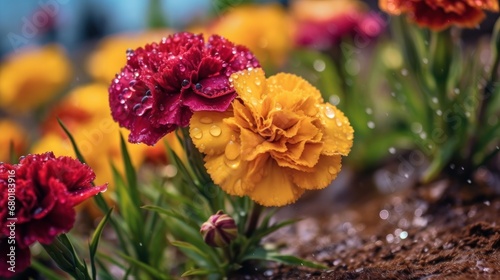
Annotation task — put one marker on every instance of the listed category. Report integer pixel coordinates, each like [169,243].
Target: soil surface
[439,231]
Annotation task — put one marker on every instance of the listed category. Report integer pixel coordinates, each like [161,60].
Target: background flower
[280,139]
[162,84]
[11,133]
[438,15]
[323,23]
[109,56]
[46,190]
[268,38]
[33,77]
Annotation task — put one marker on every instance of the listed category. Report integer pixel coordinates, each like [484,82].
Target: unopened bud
[219,230]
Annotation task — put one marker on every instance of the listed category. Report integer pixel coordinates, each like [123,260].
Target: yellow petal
[250,85]
[338,133]
[276,187]
[293,83]
[209,133]
[324,172]
[228,174]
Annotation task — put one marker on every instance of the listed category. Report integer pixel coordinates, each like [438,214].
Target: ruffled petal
[276,188]
[324,172]
[338,133]
[209,133]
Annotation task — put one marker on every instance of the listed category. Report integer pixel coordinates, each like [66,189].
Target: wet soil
[438,231]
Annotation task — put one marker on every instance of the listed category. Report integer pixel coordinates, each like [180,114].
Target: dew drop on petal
[232,150]
[206,120]
[185,83]
[329,113]
[197,133]
[215,130]
[278,106]
[332,170]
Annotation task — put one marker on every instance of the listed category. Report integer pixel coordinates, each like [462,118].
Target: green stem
[254,219]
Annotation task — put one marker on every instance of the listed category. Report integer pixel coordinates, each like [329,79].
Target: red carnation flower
[42,191]
[163,84]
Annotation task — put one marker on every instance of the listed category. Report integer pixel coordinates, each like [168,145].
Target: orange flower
[279,140]
[441,14]
[109,57]
[11,133]
[33,77]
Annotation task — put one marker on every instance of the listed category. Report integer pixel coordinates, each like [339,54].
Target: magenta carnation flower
[164,83]
[38,196]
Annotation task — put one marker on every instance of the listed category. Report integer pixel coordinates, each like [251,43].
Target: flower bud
[219,230]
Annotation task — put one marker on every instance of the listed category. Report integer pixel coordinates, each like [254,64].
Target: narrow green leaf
[151,270]
[62,252]
[172,214]
[189,246]
[130,173]
[46,272]
[95,241]
[73,142]
[197,271]
[292,260]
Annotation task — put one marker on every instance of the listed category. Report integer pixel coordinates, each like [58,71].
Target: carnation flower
[32,77]
[163,84]
[46,190]
[439,15]
[279,139]
[323,23]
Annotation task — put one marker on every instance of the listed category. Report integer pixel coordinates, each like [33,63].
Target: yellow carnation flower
[33,77]
[109,56]
[265,29]
[279,140]
[11,133]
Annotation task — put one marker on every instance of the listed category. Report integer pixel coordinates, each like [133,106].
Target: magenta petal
[59,220]
[164,83]
[200,103]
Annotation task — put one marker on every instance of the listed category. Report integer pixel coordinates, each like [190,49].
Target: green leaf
[95,241]
[172,214]
[62,252]
[46,272]
[145,267]
[190,247]
[73,142]
[264,231]
[130,173]
[197,271]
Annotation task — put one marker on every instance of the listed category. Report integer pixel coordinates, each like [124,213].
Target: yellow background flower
[279,140]
[33,77]
[10,132]
[109,56]
[265,29]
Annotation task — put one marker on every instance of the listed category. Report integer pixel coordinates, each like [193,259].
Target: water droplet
[456,91]
[257,82]
[182,68]
[232,150]
[132,83]
[197,133]
[332,170]
[329,113]
[371,125]
[339,122]
[198,86]
[184,83]
[334,99]
[37,211]
[136,107]
[404,72]
[435,100]
[145,99]
[425,60]
[369,111]
[278,106]
[392,150]
[215,130]
[235,76]
[403,235]
[206,120]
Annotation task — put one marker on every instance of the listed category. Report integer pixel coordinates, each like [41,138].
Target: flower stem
[254,219]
